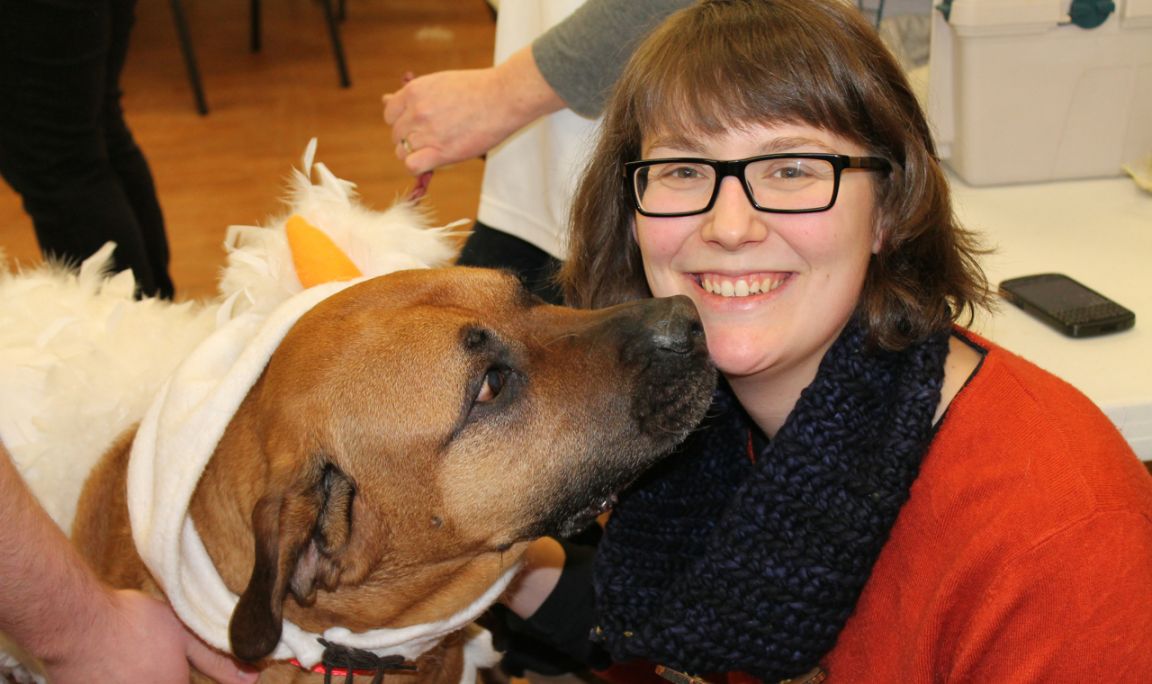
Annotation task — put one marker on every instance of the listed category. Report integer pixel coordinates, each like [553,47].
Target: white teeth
[739,288]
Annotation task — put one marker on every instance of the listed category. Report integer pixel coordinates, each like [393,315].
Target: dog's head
[412,432]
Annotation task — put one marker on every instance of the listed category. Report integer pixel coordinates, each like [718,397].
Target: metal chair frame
[333,15]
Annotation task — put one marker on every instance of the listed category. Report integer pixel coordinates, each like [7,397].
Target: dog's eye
[494,381]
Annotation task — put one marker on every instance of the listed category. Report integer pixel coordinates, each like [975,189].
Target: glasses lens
[674,187]
[792,183]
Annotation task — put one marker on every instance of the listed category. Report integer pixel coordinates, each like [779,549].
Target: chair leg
[189,56]
[254,25]
[337,45]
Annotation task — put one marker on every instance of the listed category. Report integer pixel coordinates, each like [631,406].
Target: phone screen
[1057,294]
[1066,305]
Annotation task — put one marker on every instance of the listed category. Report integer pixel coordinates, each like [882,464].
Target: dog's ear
[299,533]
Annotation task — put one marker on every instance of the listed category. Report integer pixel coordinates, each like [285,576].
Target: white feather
[79,363]
[378,242]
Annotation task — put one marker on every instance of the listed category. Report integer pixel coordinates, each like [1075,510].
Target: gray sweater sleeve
[582,56]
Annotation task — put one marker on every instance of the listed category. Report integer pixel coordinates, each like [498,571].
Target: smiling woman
[811,259]
[877,494]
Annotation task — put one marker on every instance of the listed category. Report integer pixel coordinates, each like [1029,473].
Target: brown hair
[723,64]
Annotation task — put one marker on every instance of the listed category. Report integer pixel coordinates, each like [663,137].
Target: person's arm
[450,116]
[555,597]
[1075,607]
[55,608]
[581,57]
[543,564]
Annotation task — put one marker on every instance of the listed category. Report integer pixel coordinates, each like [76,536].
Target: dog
[406,441]
[387,450]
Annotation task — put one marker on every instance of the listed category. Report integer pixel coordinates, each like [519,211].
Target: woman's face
[773,290]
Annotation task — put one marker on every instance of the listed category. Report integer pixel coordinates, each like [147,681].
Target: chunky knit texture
[713,563]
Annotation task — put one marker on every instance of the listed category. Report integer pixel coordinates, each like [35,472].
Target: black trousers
[492,248]
[64,144]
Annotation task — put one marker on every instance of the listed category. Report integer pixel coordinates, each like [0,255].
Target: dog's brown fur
[407,439]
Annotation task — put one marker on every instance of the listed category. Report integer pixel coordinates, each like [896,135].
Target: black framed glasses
[796,183]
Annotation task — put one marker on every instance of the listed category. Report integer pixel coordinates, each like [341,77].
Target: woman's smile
[746,285]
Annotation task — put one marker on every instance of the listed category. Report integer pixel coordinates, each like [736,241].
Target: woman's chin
[738,358]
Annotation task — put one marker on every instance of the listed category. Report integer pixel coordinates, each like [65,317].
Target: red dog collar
[343,661]
[321,668]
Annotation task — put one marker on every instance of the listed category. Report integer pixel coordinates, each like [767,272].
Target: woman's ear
[879,230]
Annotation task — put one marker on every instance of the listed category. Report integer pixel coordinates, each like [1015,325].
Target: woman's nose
[733,221]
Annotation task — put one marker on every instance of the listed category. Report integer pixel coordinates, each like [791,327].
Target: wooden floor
[228,167]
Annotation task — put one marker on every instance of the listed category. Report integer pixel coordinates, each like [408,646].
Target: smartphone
[1067,305]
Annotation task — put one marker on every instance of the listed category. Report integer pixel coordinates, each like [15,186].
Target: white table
[1100,233]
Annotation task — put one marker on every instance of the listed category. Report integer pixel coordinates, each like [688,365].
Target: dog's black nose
[674,325]
[661,332]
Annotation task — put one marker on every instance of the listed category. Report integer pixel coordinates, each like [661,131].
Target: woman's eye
[493,383]
[677,173]
[791,170]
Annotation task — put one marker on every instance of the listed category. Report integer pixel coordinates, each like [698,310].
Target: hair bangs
[732,77]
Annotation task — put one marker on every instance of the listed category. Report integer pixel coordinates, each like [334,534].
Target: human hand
[450,116]
[543,563]
[137,638]
[447,117]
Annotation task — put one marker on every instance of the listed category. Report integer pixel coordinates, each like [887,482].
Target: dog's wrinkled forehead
[363,341]
[481,290]
[425,310]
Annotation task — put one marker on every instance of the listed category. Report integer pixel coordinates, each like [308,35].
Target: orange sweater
[1024,553]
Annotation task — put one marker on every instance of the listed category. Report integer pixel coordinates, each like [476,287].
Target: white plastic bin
[1018,93]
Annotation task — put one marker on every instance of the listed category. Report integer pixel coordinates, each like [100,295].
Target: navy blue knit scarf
[714,564]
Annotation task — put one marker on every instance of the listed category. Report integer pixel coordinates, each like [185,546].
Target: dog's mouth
[572,517]
[582,519]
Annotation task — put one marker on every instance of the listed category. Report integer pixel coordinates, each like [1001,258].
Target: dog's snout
[666,350]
